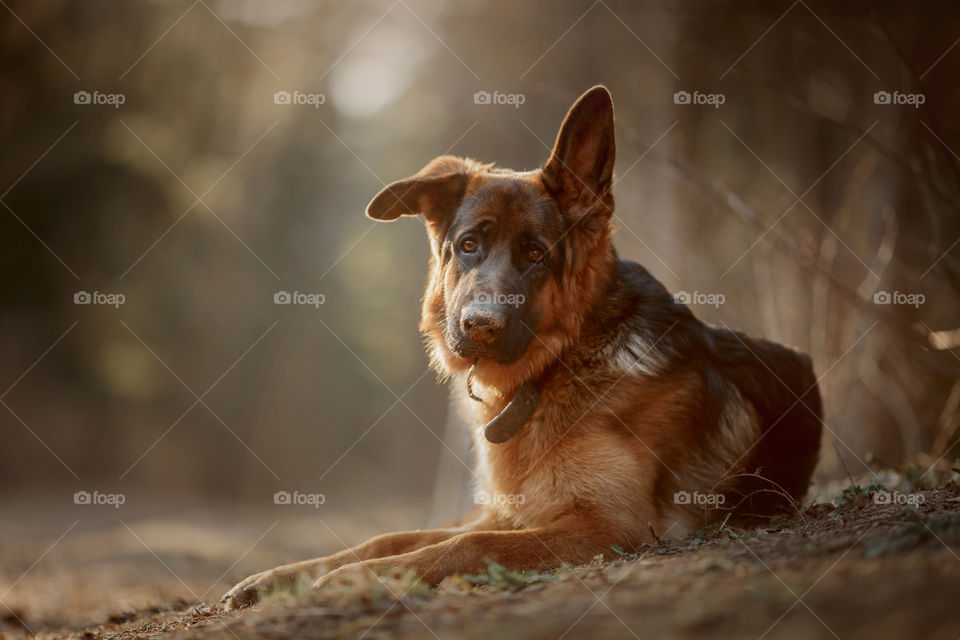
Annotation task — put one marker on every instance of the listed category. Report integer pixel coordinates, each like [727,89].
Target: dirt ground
[843,568]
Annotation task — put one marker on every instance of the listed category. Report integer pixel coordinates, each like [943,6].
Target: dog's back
[758,435]
[780,385]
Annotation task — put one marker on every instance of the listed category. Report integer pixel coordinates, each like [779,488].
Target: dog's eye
[468,245]
[535,253]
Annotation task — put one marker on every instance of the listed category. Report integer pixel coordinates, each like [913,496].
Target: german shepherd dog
[604,413]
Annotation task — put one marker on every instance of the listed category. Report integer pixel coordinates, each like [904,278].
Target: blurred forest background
[200,197]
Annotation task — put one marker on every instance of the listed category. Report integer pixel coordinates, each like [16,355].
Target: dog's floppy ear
[435,191]
[579,173]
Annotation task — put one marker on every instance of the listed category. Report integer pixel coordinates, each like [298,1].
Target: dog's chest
[535,480]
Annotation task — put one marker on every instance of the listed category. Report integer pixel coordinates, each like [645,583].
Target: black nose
[480,324]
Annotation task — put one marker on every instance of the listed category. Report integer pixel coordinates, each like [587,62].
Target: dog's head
[517,256]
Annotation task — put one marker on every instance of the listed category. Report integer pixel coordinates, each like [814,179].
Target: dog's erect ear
[579,173]
[435,191]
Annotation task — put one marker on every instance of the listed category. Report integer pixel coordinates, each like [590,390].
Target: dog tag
[514,416]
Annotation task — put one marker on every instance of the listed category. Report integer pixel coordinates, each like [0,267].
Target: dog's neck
[509,411]
[602,282]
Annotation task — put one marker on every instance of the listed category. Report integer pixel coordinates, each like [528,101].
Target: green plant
[498,577]
[854,492]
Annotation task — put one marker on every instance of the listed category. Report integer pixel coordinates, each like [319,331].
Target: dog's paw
[293,577]
[247,592]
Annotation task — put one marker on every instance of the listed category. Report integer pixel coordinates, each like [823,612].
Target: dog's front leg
[248,591]
[571,542]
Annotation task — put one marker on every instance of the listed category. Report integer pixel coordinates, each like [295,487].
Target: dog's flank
[639,420]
